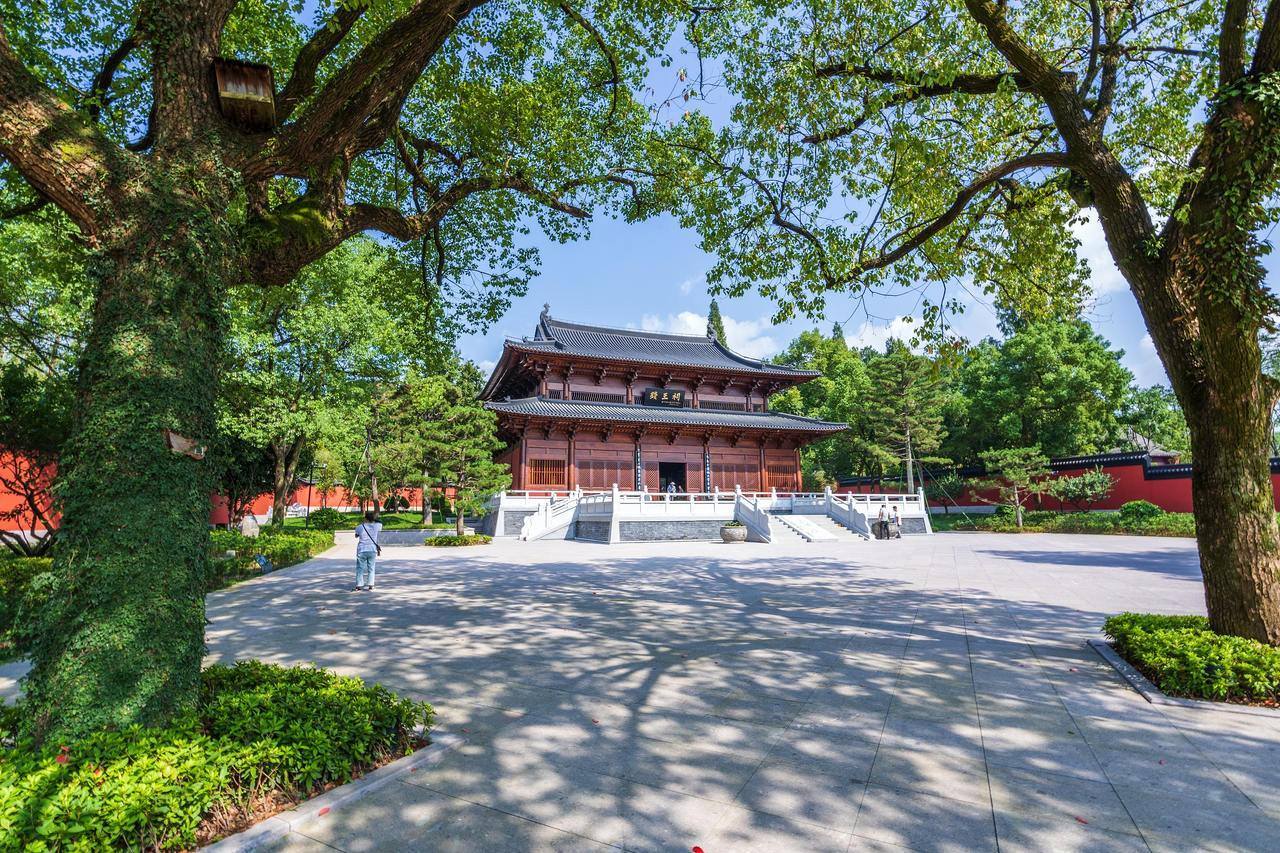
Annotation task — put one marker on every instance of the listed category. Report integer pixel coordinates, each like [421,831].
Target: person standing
[367,550]
[896,524]
[882,523]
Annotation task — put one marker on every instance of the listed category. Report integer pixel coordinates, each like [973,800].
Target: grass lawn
[409,520]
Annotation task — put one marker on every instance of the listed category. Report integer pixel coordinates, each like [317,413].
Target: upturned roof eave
[579,410]
[777,370]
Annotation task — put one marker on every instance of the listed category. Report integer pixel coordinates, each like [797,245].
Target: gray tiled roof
[554,335]
[588,411]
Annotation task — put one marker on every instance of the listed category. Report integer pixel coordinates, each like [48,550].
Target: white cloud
[748,337]
[1105,278]
[686,286]
[1145,363]
[871,334]
[486,366]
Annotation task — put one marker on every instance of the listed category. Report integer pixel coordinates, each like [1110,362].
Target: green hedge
[349,520]
[282,547]
[325,518]
[1184,658]
[16,575]
[453,541]
[261,733]
[1048,521]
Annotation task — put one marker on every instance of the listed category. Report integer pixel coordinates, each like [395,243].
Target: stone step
[838,530]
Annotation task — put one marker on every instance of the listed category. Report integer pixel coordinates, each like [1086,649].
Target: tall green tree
[457,444]
[1153,413]
[1162,120]
[839,394]
[907,398]
[44,302]
[715,323]
[1052,384]
[306,358]
[449,125]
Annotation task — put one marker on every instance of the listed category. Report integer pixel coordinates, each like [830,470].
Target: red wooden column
[521,477]
[571,476]
[763,478]
[706,463]
[639,462]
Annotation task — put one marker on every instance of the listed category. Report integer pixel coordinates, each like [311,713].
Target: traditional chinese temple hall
[589,407]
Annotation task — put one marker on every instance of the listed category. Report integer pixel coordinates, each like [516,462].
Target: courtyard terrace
[935,693]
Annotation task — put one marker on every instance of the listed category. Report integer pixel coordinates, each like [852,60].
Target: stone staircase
[803,526]
[835,528]
[780,533]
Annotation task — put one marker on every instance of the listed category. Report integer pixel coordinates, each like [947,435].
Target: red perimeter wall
[218,508]
[1167,486]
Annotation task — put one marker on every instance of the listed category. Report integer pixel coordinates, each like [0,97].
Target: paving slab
[938,694]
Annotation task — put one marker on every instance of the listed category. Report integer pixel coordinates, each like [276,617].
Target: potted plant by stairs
[733,531]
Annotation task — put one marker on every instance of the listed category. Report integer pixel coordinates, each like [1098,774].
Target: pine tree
[715,323]
[459,442]
[908,397]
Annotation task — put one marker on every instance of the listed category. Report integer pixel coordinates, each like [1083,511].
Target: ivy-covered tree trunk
[121,638]
[1230,424]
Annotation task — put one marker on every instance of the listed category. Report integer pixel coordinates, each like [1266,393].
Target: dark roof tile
[554,335]
[590,411]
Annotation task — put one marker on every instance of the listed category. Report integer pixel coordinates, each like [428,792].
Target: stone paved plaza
[929,693]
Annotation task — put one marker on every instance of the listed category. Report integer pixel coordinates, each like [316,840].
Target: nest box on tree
[246,93]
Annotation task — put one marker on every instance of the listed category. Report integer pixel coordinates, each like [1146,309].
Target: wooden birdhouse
[246,93]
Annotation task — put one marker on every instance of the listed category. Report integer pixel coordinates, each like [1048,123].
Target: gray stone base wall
[513,520]
[668,531]
[592,531]
[913,526]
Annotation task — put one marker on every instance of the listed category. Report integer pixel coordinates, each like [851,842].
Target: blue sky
[651,275]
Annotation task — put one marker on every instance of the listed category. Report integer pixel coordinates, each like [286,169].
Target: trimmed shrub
[326,518]
[453,541]
[262,736]
[1047,521]
[1140,512]
[283,547]
[1184,658]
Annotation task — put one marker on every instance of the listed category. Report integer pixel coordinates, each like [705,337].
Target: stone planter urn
[733,533]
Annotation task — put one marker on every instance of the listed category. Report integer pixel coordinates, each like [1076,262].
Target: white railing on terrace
[550,516]
[747,510]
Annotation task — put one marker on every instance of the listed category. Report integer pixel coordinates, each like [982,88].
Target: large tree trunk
[1230,425]
[285,456]
[122,636]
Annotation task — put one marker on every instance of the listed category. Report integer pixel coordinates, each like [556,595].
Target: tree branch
[615,79]
[24,209]
[381,74]
[279,260]
[1051,159]
[61,156]
[97,97]
[1266,56]
[302,82]
[962,84]
[1231,37]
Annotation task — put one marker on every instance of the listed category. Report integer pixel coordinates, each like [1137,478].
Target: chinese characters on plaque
[663,397]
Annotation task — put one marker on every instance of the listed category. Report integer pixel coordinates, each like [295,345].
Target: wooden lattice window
[547,473]
[599,397]
[781,475]
[603,473]
[726,475]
